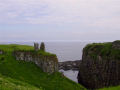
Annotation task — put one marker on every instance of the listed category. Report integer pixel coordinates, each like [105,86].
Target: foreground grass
[27,73]
[111,88]
[12,84]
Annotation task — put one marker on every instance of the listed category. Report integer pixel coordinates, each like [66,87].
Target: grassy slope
[111,88]
[28,72]
[13,84]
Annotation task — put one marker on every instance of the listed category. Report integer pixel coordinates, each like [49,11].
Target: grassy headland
[104,50]
[21,75]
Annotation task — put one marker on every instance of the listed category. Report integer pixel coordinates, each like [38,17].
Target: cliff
[47,62]
[100,66]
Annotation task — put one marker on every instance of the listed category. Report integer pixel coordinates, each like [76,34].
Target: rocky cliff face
[100,66]
[48,63]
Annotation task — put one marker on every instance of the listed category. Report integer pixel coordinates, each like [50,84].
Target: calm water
[65,51]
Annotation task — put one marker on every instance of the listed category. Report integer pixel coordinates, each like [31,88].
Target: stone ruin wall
[48,64]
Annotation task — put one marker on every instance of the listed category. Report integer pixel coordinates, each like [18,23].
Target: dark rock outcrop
[48,63]
[70,65]
[100,66]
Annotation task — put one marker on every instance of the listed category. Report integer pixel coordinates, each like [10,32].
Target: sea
[65,51]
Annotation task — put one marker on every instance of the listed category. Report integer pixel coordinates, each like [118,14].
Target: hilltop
[16,74]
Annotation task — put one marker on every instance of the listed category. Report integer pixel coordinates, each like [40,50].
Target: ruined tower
[36,46]
[42,46]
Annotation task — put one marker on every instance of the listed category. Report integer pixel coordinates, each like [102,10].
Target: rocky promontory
[46,61]
[100,66]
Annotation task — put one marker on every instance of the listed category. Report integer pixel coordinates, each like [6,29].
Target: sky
[59,20]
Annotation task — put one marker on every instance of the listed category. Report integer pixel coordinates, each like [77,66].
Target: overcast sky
[84,20]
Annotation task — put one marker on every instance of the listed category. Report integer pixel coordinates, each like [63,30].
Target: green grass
[111,88]
[17,47]
[105,50]
[12,47]
[13,84]
[31,75]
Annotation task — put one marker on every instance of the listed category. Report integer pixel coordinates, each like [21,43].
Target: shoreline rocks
[70,65]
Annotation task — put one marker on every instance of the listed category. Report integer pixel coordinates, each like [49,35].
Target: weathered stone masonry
[48,64]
